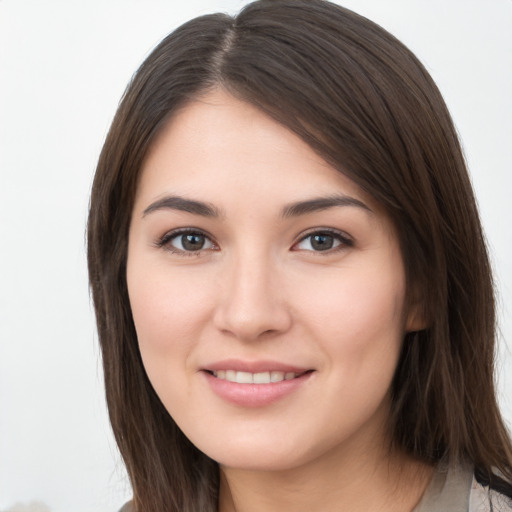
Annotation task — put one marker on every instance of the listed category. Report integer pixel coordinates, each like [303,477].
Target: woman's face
[267,291]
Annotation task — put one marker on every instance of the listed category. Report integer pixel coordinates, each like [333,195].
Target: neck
[384,482]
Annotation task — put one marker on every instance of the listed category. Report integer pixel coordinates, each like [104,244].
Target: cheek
[356,314]
[169,311]
[357,323]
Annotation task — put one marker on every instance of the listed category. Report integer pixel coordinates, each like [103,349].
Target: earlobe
[416,318]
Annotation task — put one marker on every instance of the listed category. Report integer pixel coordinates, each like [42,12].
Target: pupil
[322,242]
[192,242]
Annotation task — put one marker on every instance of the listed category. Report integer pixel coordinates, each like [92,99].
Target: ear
[416,318]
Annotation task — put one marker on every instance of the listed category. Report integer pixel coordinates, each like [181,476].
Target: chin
[268,450]
[264,460]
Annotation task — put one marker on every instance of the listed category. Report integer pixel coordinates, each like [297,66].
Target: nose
[251,302]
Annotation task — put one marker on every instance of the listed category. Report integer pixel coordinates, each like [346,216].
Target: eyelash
[345,241]
[165,241]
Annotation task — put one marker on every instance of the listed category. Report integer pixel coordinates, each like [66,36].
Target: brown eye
[192,242]
[187,242]
[323,241]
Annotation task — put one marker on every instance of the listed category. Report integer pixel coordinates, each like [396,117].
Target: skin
[260,290]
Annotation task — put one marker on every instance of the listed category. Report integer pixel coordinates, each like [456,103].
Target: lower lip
[255,395]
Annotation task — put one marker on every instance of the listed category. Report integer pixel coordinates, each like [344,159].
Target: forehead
[217,144]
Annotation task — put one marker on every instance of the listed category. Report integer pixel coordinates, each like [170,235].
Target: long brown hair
[362,100]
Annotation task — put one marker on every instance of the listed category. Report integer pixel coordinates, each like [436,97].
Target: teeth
[261,378]
[244,378]
[276,376]
[254,378]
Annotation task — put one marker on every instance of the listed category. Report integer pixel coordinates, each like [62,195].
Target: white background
[63,67]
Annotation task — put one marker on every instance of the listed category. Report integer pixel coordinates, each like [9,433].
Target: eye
[322,241]
[188,241]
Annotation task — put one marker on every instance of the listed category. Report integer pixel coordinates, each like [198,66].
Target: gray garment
[451,490]
[456,490]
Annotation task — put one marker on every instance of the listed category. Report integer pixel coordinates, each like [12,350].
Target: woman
[278,246]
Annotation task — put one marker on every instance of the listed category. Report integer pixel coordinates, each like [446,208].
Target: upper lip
[254,366]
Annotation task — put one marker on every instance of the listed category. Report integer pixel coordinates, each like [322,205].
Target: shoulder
[485,499]
[460,489]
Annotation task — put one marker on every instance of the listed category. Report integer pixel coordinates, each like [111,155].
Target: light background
[63,67]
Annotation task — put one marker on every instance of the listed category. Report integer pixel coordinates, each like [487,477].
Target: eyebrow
[184,205]
[292,210]
[322,203]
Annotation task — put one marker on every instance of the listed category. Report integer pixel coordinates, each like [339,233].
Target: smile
[254,384]
[255,378]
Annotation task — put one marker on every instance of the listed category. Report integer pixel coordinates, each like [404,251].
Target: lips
[255,378]
[254,384]
[261,366]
